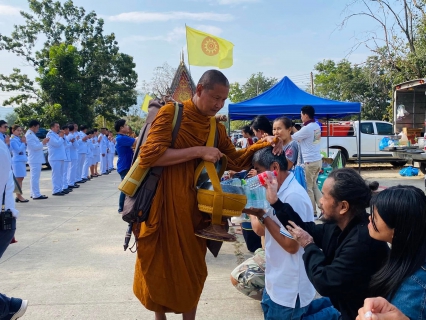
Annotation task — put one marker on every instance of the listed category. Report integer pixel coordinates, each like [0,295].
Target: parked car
[46,155]
[41,133]
[343,135]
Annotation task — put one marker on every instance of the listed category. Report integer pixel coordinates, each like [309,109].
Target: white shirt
[34,148]
[309,139]
[74,145]
[82,147]
[285,274]
[55,146]
[7,184]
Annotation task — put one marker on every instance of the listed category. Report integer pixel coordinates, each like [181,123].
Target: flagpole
[187,51]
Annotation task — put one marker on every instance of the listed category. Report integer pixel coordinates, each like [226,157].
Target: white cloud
[142,16]
[175,34]
[6,10]
[216,31]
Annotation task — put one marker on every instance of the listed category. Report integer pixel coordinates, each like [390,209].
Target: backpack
[140,185]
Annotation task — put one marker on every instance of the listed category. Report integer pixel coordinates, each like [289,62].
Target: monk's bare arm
[175,156]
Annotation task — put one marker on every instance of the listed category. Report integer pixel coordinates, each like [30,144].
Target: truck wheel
[398,163]
[423,167]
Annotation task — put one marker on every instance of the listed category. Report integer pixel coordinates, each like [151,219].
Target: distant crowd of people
[73,153]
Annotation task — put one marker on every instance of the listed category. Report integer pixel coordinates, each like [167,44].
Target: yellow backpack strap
[212,133]
[210,143]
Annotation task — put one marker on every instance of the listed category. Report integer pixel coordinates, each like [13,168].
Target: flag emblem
[208,50]
[210,46]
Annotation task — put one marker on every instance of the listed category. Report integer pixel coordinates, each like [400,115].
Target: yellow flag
[145,102]
[207,50]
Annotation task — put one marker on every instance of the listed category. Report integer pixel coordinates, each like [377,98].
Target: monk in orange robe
[170,268]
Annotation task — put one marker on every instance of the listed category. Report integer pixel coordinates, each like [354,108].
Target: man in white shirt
[72,167]
[309,137]
[56,148]
[111,152]
[35,158]
[103,145]
[288,291]
[82,152]
[67,160]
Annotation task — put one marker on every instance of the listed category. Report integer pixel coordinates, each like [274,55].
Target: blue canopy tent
[286,99]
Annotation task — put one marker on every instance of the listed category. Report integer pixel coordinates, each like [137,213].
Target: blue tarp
[286,99]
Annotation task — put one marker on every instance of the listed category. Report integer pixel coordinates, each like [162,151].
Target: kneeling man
[288,291]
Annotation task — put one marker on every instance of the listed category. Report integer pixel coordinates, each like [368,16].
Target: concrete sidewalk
[70,264]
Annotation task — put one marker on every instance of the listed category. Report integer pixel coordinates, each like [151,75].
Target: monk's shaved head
[212,77]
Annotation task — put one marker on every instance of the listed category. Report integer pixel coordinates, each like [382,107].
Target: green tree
[60,85]
[105,78]
[255,85]
[11,118]
[368,83]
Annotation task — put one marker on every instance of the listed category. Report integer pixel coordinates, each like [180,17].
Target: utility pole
[312,83]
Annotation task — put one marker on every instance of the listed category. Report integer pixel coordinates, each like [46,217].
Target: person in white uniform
[96,152]
[67,160]
[35,158]
[85,174]
[103,145]
[72,167]
[111,152]
[18,148]
[82,151]
[89,155]
[56,148]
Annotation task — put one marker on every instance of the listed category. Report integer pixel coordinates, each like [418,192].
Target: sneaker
[17,308]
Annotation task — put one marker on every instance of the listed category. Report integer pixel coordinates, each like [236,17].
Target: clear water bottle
[256,198]
[259,180]
[231,182]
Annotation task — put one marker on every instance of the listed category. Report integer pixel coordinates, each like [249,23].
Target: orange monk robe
[170,268]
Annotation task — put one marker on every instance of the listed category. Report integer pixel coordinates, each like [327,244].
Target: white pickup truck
[343,135]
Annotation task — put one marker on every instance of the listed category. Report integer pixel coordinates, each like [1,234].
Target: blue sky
[276,37]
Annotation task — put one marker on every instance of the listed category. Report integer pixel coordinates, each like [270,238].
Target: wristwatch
[264,217]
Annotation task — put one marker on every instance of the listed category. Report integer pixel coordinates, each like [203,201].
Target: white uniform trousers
[71,174]
[104,163]
[86,165]
[35,170]
[67,164]
[57,175]
[80,164]
[110,161]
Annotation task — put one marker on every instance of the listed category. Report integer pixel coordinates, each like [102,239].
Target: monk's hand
[301,236]
[275,142]
[259,213]
[379,309]
[221,118]
[210,154]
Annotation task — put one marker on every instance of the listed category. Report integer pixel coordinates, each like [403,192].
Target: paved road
[70,264]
